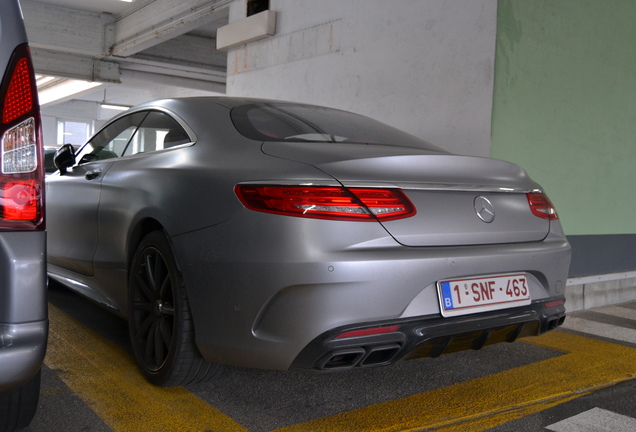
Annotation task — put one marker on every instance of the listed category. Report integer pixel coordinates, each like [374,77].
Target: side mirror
[64,158]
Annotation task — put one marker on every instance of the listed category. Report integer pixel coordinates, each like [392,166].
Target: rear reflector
[336,203]
[554,303]
[368,332]
[541,206]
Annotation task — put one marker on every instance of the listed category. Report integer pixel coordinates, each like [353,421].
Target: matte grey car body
[23,308]
[315,286]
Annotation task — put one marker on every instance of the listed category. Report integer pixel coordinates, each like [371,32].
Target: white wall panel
[424,66]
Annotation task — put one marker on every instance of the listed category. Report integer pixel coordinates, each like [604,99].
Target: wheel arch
[141,230]
[181,357]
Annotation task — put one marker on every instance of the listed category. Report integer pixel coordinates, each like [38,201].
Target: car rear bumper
[426,337]
[261,302]
[22,350]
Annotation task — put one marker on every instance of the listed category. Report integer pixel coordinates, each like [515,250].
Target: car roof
[224,101]
[187,104]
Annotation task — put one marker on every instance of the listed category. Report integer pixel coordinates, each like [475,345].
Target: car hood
[444,188]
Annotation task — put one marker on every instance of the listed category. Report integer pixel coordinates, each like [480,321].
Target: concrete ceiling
[137,51]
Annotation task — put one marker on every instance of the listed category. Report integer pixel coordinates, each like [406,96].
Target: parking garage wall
[546,84]
[564,109]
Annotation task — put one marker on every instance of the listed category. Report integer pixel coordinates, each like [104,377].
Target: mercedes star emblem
[484,209]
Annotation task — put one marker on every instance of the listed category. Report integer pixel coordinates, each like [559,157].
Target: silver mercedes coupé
[278,235]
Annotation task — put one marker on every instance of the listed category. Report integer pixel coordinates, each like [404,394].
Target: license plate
[466,296]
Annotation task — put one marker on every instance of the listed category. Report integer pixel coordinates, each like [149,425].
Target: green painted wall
[565,106]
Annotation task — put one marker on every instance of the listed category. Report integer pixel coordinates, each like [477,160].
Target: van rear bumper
[22,350]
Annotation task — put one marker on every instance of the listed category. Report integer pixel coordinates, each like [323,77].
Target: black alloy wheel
[159,318]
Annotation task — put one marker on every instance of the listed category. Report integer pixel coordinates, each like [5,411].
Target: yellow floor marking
[479,404]
[106,378]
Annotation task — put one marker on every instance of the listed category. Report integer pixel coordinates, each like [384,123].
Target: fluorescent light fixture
[65,89]
[115,107]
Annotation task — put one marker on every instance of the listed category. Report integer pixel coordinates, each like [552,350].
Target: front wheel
[159,319]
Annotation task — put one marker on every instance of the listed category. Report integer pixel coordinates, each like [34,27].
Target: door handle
[90,175]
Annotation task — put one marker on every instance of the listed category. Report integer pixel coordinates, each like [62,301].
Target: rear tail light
[19,148]
[541,206]
[19,96]
[20,200]
[336,203]
[21,171]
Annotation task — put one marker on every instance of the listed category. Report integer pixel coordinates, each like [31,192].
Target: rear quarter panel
[184,190]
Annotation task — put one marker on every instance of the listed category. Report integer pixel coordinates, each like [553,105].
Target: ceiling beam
[68,65]
[187,50]
[69,30]
[141,78]
[161,20]
[148,44]
[217,76]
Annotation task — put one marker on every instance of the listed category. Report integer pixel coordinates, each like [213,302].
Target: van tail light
[21,155]
[18,98]
[541,206]
[323,202]
[20,199]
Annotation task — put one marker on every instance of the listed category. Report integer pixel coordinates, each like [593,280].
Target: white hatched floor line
[595,328]
[617,311]
[597,420]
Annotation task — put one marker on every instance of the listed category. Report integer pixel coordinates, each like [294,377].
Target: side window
[111,141]
[158,131]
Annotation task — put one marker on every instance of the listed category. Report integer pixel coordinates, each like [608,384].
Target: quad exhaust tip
[359,357]
[556,322]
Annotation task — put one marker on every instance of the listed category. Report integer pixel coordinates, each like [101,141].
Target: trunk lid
[460,200]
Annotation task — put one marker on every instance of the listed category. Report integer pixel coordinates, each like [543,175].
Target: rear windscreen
[305,123]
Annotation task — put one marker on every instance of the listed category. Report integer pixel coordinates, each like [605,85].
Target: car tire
[18,407]
[159,318]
